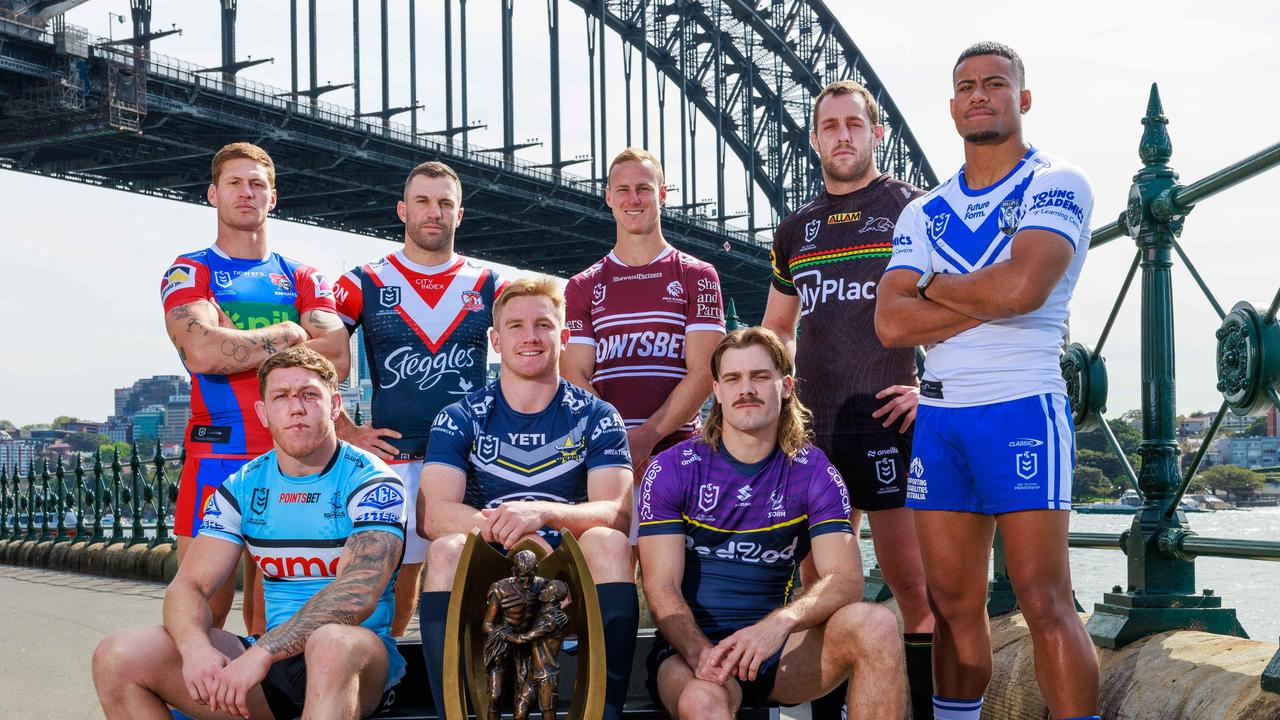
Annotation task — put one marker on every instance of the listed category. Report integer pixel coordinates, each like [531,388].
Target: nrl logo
[389,296]
[222,277]
[708,496]
[1026,463]
[886,470]
[259,500]
[811,230]
[487,448]
[597,294]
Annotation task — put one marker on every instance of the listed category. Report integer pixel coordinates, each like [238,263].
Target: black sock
[919,647]
[829,706]
[433,611]
[620,613]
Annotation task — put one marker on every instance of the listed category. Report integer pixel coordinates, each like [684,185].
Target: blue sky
[81,264]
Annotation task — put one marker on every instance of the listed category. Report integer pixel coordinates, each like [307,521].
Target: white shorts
[415,546]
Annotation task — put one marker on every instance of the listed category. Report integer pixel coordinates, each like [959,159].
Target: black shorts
[754,692]
[286,686]
[873,465]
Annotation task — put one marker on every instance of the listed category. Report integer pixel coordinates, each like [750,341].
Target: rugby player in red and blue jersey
[724,521]
[227,309]
[425,312]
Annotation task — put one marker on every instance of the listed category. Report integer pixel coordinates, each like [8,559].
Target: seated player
[724,519]
[522,458]
[324,521]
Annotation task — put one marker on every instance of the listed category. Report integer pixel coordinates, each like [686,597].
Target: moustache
[748,400]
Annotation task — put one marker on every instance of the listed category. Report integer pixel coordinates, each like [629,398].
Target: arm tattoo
[269,345]
[182,312]
[371,557]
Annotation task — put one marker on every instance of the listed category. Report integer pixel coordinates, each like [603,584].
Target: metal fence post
[117,526]
[31,500]
[136,483]
[4,501]
[61,505]
[43,505]
[99,489]
[162,499]
[79,473]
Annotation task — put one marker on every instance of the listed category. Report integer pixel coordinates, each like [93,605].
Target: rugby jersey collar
[975,192]
[665,252]
[303,479]
[252,261]
[449,264]
[875,183]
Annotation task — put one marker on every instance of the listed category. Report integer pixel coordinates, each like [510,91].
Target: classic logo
[222,278]
[938,226]
[471,301]
[1010,216]
[487,448]
[811,230]
[597,294]
[260,497]
[1026,463]
[382,497]
[282,281]
[886,470]
[1026,442]
[876,224]
[844,217]
[708,496]
[389,296]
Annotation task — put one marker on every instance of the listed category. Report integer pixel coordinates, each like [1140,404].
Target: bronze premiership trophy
[507,620]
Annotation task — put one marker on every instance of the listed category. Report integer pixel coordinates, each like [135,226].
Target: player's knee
[870,629]
[444,554]
[607,551]
[120,657]
[335,646]
[952,607]
[701,700]
[1045,608]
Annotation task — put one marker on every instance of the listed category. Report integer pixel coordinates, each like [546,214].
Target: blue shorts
[992,459]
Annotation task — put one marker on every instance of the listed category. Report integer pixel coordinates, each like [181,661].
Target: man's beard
[982,137]
[425,242]
[860,168]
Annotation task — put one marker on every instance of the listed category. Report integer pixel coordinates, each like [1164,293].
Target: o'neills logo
[425,369]
[844,217]
[297,566]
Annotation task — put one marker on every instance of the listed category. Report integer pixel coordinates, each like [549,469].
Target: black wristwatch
[923,283]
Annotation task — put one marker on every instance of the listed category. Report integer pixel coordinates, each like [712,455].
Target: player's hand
[902,404]
[702,669]
[511,521]
[199,668]
[291,333]
[234,681]
[741,654]
[368,437]
[640,441]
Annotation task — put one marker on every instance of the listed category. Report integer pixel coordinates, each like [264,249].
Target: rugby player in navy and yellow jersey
[983,270]
[521,458]
[323,520]
[425,311]
[827,259]
[227,308]
[724,521]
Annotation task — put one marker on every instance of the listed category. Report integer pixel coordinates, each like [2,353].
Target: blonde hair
[848,87]
[794,421]
[435,169]
[640,154]
[303,357]
[536,286]
[243,151]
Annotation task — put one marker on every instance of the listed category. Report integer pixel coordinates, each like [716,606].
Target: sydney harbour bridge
[118,113]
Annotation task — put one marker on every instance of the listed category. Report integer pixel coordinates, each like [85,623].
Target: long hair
[794,421]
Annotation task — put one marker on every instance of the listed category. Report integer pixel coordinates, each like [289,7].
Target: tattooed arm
[329,338]
[208,342]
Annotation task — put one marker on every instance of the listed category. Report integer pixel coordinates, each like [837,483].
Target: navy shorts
[873,465]
[992,459]
[286,686]
[754,692]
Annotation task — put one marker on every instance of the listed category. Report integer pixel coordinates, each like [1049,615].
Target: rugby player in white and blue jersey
[324,522]
[522,458]
[982,272]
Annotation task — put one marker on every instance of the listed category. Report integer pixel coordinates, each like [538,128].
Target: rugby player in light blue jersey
[982,272]
[324,521]
[522,458]
[725,519]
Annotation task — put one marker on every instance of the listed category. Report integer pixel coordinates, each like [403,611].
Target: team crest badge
[886,470]
[487,448]
[471,301]
[811,230]
[597,294]
[1026,464]
[282,281]
[938,226]
[675,289]
[1010,215]
[389,296]
[708,496]
[259,500]
[222,277]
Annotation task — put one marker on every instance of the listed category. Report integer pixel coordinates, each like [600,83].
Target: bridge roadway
[53,620]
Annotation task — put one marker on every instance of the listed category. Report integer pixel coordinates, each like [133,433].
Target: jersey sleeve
[1059,200]
[348,298]
[829,508]
[500,283]
[186,281]
[607,439]
[706,309]
[660,506]
[222,512]
[376,499]
[315,292]
[451,438]
[911,250]
[780,260]
[577,310]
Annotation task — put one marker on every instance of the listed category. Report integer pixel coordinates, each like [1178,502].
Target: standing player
[425,312]
[643,321]
[983,269]
[227,309]
[827,257]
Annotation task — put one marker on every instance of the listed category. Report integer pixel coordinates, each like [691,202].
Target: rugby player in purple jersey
[724,520]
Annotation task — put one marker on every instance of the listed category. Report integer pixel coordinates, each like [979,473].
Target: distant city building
[147,392]
[177,411]
[148,423]
[17,453]
[1272,428]
[1247,452]
[118,428]
[83,426]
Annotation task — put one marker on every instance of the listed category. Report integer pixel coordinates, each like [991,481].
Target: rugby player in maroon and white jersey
[644,320]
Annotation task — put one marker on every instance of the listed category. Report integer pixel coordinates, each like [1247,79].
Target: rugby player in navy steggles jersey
[324,522]
[521,458]
[425,311]
[725,518]
[983,269]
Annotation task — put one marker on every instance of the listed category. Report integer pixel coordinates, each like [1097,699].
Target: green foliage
[1258,428]
[63,420]
[1127,435]
[1090,483]
[1227,480]
[85,442]
[108,448]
